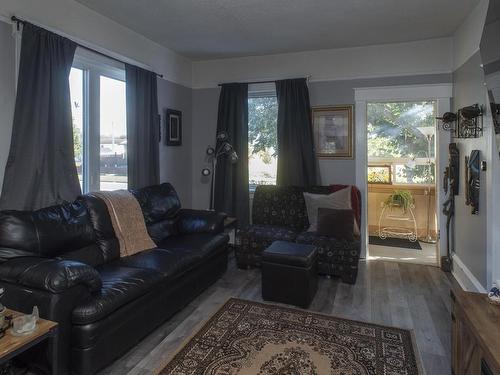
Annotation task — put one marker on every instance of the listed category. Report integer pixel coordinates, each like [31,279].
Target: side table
[11,346]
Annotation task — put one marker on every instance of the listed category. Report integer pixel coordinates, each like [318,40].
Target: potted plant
[399,198]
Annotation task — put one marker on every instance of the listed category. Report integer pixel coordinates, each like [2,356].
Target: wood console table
[475,344]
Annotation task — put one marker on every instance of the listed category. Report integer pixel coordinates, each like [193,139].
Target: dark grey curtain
[142,128]
[296,157]
[41,169]
[231,180]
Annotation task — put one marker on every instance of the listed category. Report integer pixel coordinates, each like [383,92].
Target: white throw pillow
[340,200]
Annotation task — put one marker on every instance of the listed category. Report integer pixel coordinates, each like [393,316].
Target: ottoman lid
[290,253]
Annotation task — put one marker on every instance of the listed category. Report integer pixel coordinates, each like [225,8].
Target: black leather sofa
[65,259]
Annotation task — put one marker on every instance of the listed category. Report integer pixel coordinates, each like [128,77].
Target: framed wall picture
[333,131]
[173,134]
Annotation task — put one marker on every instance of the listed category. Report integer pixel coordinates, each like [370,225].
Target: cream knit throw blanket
[128,221]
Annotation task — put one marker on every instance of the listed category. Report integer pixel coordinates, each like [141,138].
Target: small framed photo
[173,134]
[380,174]
[333,131]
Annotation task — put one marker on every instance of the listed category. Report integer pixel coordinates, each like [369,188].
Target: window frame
[255,91]
[93,66]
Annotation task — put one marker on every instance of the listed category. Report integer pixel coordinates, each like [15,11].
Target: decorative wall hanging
[451,188]
[489,48]
[473,178]
[173,136]
[333,131]
[448,122]
[495,114]
[454,168]
[470,122]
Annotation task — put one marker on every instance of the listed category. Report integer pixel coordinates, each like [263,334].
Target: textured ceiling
[207,29]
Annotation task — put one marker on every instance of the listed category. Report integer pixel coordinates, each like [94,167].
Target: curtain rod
[258,82]
[20,21]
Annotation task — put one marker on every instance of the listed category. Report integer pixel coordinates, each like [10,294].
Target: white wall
[82,24]
[402,59]
[477,237]
[468,36]
[175,161]
[7,93]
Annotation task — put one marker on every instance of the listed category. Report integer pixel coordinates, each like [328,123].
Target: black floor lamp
[223,148]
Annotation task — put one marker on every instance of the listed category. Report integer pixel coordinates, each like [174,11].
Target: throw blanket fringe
[128,221]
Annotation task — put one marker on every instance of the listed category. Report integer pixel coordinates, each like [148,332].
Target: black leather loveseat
[65,259]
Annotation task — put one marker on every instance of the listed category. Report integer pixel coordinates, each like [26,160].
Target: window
[401,136]
[99,123]
[113,135]
[262,139]
[76,86]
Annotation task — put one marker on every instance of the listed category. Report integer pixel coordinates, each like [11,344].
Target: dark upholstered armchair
[279,214]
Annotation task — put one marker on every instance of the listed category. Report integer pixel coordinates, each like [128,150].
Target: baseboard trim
[464,276]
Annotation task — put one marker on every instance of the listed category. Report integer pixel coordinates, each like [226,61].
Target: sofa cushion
[167,262]
[338,200]
[158,202]
[120,285]
[271,233]
[179,256]
[336,223]
[279,206]
[355,200]
[332,249]
[203,245]
[162,229]
[62,230]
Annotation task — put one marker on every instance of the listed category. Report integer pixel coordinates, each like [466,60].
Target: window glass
[402,135]
[98,109]
[262,140]
[113,134]
[76,89]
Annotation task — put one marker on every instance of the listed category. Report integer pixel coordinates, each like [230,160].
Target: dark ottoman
[289,273]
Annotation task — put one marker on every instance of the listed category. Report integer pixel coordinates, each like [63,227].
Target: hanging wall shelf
[470,122]
[466,123]
[448,121]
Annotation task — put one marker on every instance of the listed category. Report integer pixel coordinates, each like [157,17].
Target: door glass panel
[113,135]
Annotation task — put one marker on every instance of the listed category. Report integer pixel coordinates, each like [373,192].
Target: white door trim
[442,94]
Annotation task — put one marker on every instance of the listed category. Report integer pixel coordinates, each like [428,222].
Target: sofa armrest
[49,274]
[200,221]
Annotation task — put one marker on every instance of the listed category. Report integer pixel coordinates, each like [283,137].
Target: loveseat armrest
[49,274]
[200,221]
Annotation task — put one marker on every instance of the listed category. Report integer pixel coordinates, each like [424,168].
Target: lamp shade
[427,131]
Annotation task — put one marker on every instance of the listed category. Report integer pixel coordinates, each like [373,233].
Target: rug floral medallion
[250,338]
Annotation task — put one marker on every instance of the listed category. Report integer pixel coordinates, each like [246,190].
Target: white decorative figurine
[25,324]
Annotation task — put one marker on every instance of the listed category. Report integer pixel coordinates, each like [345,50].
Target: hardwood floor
[397,294]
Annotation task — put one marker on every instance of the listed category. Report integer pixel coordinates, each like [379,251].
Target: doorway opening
[401,177]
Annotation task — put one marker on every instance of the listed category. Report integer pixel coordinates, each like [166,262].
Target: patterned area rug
[250,338]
